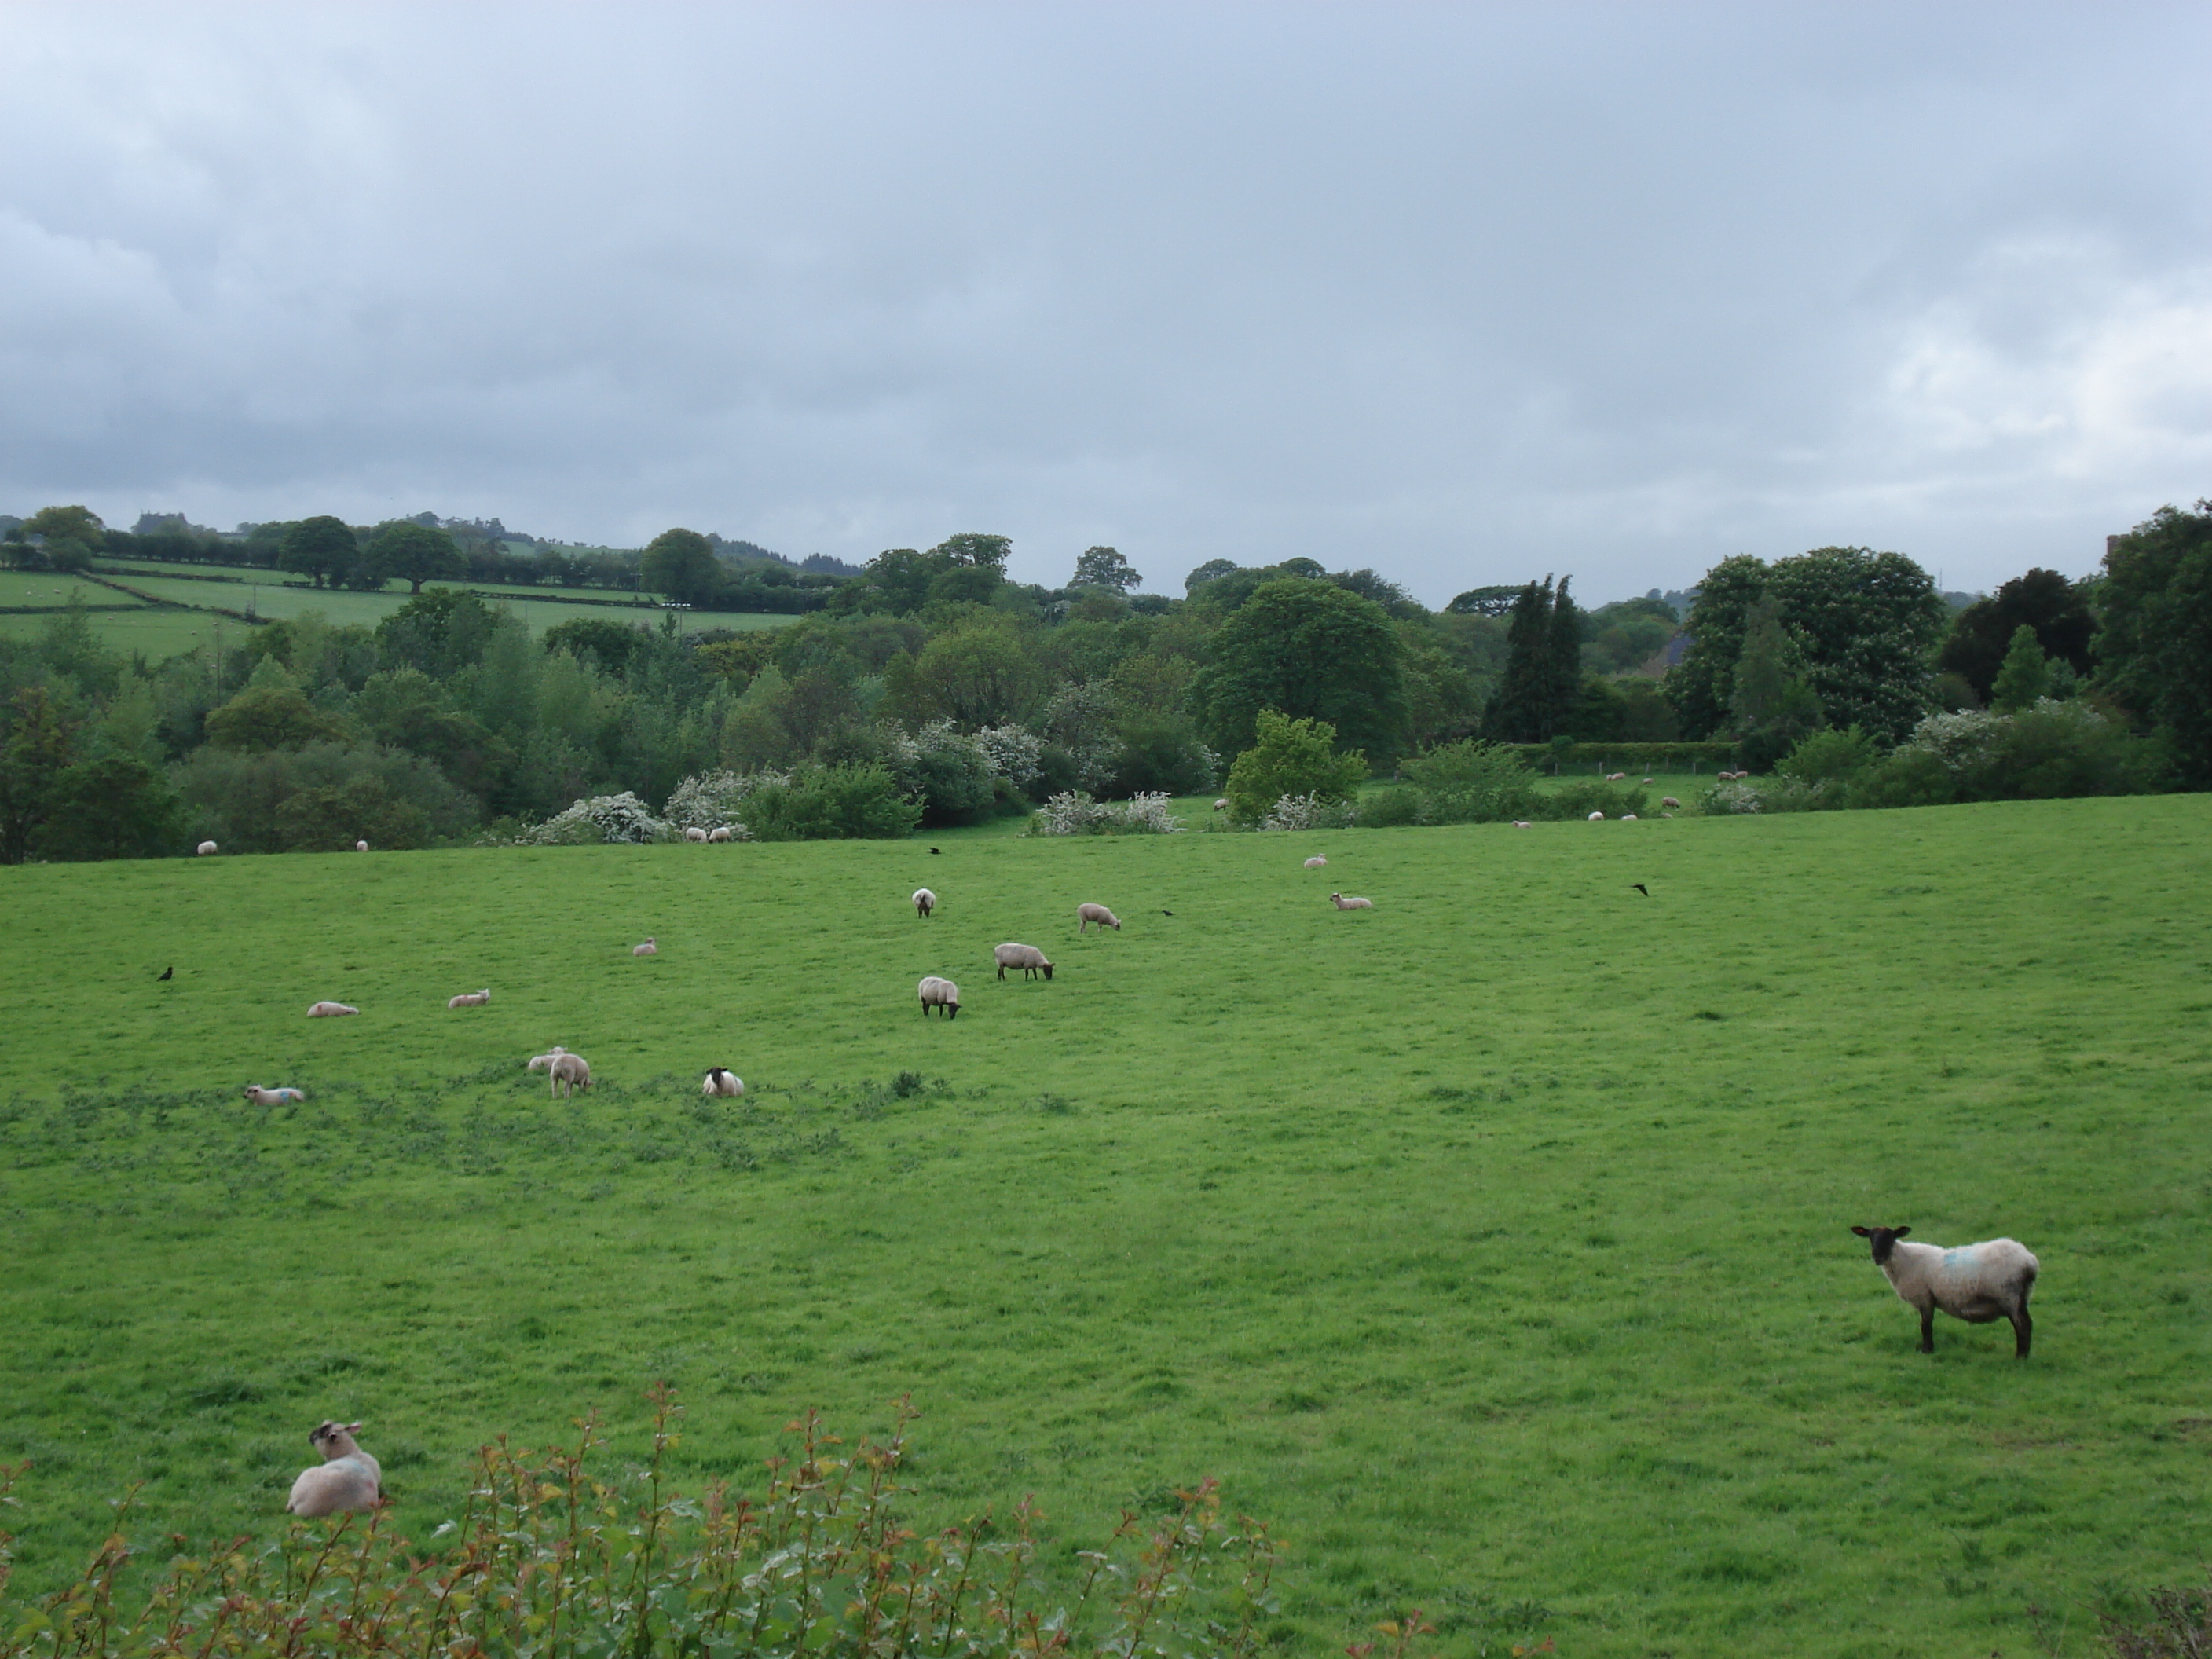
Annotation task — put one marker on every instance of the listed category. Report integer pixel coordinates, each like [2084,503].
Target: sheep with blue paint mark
[1979,1283]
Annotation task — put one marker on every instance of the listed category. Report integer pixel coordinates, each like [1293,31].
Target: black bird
[1167,913]
[932,850]
[1641,887]
[166,973]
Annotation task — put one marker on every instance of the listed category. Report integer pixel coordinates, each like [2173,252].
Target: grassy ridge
[1491,1243]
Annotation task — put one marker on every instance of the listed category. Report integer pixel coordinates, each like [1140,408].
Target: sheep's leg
[2023,1330]
[1928,1329]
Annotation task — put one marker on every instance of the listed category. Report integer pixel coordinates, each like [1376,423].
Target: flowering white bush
[1012,753]
[704,801]
[1960,738]
[621,818]
[1307,812]
[1725,798]
[1074,813]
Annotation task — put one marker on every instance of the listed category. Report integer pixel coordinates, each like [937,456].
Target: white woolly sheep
[1597,818]
[1316,862]
[206,847]
[361,846]
[695,834]
[1027,958]
[936,993]
[331,1010]
[721,1080]
[1221,805]
[563,1067]
[1522,823]
[1979,1283]
[1344,903]
[720,832]
[924,903]
[1628,818]
[1087,914]
[648,949]
[1616,777]
[261,1096]
[1669,801]
[470,998]
[347,1479]
[1647,779]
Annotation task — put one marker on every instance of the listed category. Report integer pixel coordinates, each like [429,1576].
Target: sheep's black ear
[1863,1232]
[1900,1231]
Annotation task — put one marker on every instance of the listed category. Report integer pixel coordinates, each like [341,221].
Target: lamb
[1087,914]
[1977,1283]
[1670,802]
[1316,862]
[695,834]
[924,903]
[936,993]
[347,1479]
[648,949]
[329,1010]
[261,1096]
[722,1081]
[205,848]
[1344,903]
[561,1066]
[361,846]
[470,998]
[1027,958]
[720,832]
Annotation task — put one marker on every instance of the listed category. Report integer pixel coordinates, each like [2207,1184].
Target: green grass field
[1491,1244]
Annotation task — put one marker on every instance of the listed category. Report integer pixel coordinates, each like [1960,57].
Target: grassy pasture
[1491,1244]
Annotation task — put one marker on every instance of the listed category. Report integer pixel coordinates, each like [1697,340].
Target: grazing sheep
[1628,818]
[648,949]
[1597,818]
[1087,914]
[331,1010]
[1316,862]
[1977,1283]
[261,1096]
[1669,801]
[361,846]
[1616,777]
[695,834]
[206,847]
[936,993]
[924,903]
[720,832]
[721,1080]
[1027,958]
[566,1073]
[1221,805]
[470,999]
[1647,779]
[347,1479]
[1344,903]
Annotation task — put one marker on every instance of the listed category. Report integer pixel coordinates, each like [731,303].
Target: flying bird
[167,973]
[1641,887]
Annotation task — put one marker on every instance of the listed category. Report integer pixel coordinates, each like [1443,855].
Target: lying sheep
[1979,1283]
[1087,914]
[648,949]
[1670,802]
[722,1081]
[720,832]
[924,903]
[1027,958]
[1344,903]
[347,1479]
[261,1096]
[470,999]
[331,1010]
[1597,818]
[1628,818]
[695,834]
[1316,862]
[1522,823]
[936,993]
[206,847]
[1616,777]
[361,846]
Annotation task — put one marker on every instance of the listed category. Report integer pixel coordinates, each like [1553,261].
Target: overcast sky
[1465,293]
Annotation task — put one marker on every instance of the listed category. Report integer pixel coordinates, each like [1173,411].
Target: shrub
[1828,757]
[1388,808]
[602,819]
[948,773]
[1291,757]
[1579,801]
[1472,782]
[1162,756]
[2049,752]
[708,800]
[1012,753]
[246,800]
[1074,813]
[1307,812]
[833,802]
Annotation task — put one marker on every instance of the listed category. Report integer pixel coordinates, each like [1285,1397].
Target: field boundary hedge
[1540,755]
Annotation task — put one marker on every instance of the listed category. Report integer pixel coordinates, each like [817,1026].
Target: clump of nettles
[555,1556]
[1074,813]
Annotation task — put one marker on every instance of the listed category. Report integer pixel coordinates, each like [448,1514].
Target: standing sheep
[1979,1283]
[1222,804]
[924,903]
[1027,958]
[561,1066]
[470,998]
[1669,801]
[648,949]
[361,846]
[1597,818]
[206,847]
[936,993]
[1316,862]
[1344,903]
[261,1096]
[721,1080]
[331,1010]
[695,834]
[347,1478]
[1087,914]
[720,832]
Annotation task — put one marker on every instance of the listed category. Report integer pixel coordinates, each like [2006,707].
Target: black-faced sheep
[1027,958]
[347,1479]
[924,903]
[1979,1283]
[936,993]
[721,1080]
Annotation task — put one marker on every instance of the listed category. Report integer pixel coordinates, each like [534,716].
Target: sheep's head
[1048,968]
[1884,1240]
[334,1439]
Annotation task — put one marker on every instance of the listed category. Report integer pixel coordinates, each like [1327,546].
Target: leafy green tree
[1773,707]
[1104,566]
[265,717]
[1981,634]
[833,802]
[2155,652]
[111,805]
[1309,650]
[966,584]
[35,749]
[440,632]
[982,670]
[322,548]
[975,550]
[1484,601]
[1211,570]
[1869,622]
[2024,675]
[1291,757]
[610,644]
[1540,692]
[1702,686]
[1829,756]
[413,552]
[1471,782]
[680,565]
[74,535]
